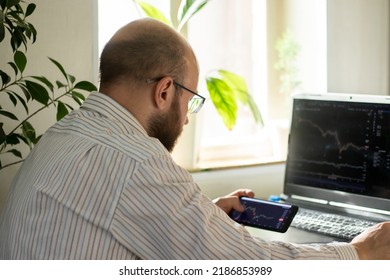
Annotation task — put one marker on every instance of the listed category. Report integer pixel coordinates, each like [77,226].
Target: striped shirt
[98,187]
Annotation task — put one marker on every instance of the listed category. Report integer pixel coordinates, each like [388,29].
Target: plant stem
[37,111]
[5,86]
[13,163]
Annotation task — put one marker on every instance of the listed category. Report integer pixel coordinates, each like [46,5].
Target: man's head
[141,67]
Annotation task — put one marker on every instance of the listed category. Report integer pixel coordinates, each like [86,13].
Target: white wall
[67,32]
[359,46]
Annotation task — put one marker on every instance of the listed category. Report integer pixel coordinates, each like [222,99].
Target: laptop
[338,163]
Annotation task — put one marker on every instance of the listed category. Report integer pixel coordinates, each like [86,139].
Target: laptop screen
[339,149]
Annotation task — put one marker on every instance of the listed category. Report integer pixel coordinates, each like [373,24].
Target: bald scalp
[143,49]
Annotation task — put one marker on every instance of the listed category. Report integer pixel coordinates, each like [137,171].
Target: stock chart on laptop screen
[341,146]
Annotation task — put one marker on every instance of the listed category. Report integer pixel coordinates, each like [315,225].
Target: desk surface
[292,235]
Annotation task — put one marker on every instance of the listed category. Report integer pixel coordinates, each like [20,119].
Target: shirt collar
[108,107]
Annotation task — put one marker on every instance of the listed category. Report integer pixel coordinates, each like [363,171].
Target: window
[235,41]
[240,36]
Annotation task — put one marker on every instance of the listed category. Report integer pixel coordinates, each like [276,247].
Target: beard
[166,128]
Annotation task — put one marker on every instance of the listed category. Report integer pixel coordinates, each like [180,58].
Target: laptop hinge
[343,207]
[360,208]
[309,199]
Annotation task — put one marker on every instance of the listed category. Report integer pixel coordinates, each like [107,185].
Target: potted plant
[35,94]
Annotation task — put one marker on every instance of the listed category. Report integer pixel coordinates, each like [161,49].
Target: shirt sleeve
[162,214]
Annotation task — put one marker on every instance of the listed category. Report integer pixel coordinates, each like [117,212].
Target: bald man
[101,183]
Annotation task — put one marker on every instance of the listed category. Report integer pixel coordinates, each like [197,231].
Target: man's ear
[164,92]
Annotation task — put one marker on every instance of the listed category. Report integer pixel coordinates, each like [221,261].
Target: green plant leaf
[26,92]
[18,97]
[2,28]
[27,32]
[70,107]
[12,139]
[17,38]
[30,9]
[29,133]
[8,115]
[11,3]
[13,65]
[20,60]
[187,9]
[223,98]
[61,110]
[21,137]
[12,97]
[255,111]
[33,32]
[38,92]
[60,84]
[5,79]
[45,81]
[16,153]
[152,12]
[60,67]
[235,82]
[15,17]
[3,136]
[24,103]
[85,85]
[78,97]
[240,89]
[71,79]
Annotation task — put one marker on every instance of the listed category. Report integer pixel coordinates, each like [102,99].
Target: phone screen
[265,214]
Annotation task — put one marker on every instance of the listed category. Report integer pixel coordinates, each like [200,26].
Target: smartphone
[265,214]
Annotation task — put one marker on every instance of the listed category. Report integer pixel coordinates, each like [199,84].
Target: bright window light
[241,37]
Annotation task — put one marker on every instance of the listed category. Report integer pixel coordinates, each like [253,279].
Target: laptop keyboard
[330,224]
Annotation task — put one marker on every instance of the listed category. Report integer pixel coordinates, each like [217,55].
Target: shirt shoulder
[104,122]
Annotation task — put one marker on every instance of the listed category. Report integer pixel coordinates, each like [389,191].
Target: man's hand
[232,200]
[374,243]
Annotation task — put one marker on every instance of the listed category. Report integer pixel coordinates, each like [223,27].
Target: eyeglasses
[195,103]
